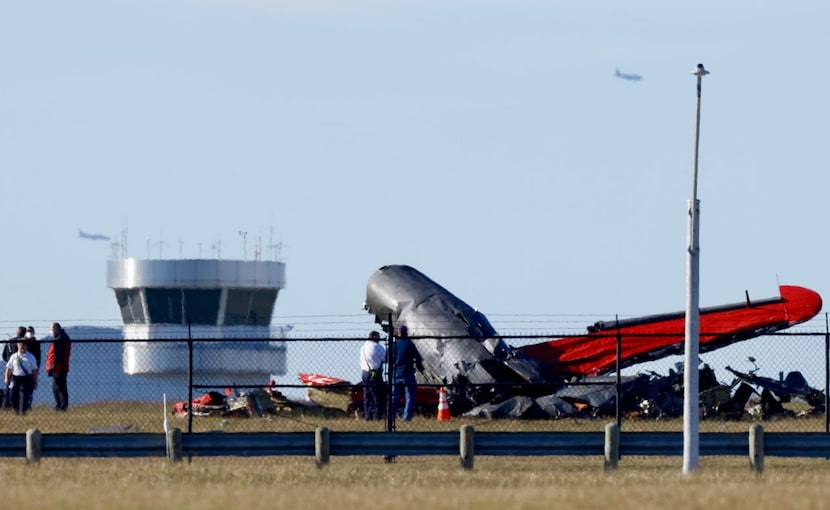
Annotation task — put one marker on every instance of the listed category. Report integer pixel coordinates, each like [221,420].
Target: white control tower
[229,302]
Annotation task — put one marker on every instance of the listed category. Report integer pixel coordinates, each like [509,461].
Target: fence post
[390,364]
[466,446]
[826,372]
[321,446]
[32,446]
[173,441]
[612,446]
[618,381]
[189,378]
[756,448]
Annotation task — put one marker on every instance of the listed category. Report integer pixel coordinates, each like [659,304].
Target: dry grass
[412,483]
[144,417]
[409,483]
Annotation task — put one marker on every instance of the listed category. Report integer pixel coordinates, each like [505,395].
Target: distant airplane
[627,76]
[94,237]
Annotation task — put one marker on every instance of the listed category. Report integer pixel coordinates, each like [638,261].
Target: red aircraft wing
[653,337]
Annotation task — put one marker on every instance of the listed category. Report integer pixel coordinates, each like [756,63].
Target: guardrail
[465,443]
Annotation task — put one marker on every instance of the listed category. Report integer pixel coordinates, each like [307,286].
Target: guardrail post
[612,446]
[321,446]
[756,448]
[32,446]
[173,441]
[466,446]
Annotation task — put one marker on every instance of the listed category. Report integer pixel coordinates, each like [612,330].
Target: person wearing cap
[21,377]
[57,365]
[9,348]
[407,359]
[372,357]
[32,345]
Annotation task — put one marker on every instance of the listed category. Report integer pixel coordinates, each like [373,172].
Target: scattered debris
[646,396]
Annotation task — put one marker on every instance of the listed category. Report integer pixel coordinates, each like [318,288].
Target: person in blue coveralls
[407,360]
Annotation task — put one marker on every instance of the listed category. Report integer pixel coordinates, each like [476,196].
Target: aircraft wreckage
[462,350]
[567,376]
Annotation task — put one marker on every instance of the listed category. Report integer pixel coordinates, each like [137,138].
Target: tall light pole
[691,380]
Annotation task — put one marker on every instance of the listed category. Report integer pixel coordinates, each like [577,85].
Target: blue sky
[487,144]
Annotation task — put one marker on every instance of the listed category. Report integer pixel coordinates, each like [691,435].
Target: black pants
[22,387]
[7,397]
[60,392]
[373,402]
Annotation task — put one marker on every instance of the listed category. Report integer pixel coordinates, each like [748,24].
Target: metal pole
[189,378]
[390,361]
[618,413]
[826,373]
[691,377]
[390,369]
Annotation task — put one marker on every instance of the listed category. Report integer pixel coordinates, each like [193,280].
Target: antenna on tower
[160,244]
[258,248]
[114,247]
[277,249]
[124,243]
[274,250]
[244,244]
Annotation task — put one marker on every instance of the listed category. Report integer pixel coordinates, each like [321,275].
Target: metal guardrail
[86,445]
[247,444]
[671,443]
[797,444]
[465,443]
[251,444]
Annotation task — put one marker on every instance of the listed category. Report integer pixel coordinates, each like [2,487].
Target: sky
[486,143]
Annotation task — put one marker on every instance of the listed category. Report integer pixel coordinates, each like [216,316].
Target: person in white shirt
[33,346]
[372,358]
[21,377]
[9,348]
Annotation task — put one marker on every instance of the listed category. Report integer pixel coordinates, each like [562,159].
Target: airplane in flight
[94,237]
[627,76]
[460,347]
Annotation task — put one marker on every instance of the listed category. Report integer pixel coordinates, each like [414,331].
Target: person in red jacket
[57,365]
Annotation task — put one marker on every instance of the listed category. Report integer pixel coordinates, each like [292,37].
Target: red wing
[656,336]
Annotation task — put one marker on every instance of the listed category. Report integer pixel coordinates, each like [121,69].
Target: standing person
[57,365]
[21,377]
[33,346]
[9,348]
[407,359]
[372,357]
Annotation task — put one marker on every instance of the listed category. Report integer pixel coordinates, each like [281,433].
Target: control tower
[225,306]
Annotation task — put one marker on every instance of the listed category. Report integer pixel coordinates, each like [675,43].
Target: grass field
[408,483]
[413,483]
[144,417]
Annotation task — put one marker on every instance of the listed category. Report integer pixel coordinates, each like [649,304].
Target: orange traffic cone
[443,406]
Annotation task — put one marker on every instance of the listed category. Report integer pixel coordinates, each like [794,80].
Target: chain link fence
[299,384]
